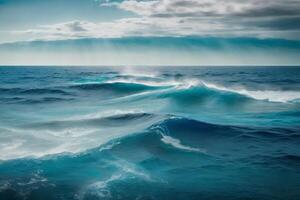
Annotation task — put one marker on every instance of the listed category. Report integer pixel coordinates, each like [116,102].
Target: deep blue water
[150,133]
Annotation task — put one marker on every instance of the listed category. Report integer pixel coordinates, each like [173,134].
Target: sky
[149,32]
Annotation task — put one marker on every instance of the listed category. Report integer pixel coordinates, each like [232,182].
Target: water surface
[150,133]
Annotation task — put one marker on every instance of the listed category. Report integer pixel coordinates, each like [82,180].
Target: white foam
[131,71]
[109,146]
[176,143]
[269,95]
[131,169]
[104,114]
[103,184]
[150,83]
[4,186]
[100,188]
[187,83]
[274,96]
[35,179]
[20,143]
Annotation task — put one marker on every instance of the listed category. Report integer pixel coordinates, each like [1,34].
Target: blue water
[150,133]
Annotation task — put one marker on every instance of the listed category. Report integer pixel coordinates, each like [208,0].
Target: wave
[112,120]
[198,86]
[71,136]
[194,84]
[43,100]
[202,95]
[188,135]
[171,152]
[117,87]
[33,91]
[34,95]
[184,91]
[269,95]
[290,158]
[39,91]
[193,88]
[10,90]
[183,134]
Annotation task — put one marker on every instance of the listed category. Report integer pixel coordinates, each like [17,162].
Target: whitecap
[269,95]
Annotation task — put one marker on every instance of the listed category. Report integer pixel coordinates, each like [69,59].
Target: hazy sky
[266,32]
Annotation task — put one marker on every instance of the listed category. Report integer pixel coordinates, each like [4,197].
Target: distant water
[150,133]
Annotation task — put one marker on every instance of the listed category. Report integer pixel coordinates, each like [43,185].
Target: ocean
[150,133]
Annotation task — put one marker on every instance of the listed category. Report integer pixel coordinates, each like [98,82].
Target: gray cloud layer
[218,18]
[268,17]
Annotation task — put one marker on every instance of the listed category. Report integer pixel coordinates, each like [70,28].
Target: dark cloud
[276,10]
[268,15]
[285,23]
[76,26]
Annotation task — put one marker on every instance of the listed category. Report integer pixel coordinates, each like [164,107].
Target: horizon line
[233,65]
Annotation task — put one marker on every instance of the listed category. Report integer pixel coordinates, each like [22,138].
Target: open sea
[166,133]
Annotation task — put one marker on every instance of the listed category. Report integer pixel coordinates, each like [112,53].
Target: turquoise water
[150,133]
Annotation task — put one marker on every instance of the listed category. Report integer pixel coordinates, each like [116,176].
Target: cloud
[209,8]
[263,17]
[78,29]
[127,27]
[181,8]
[220,18]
